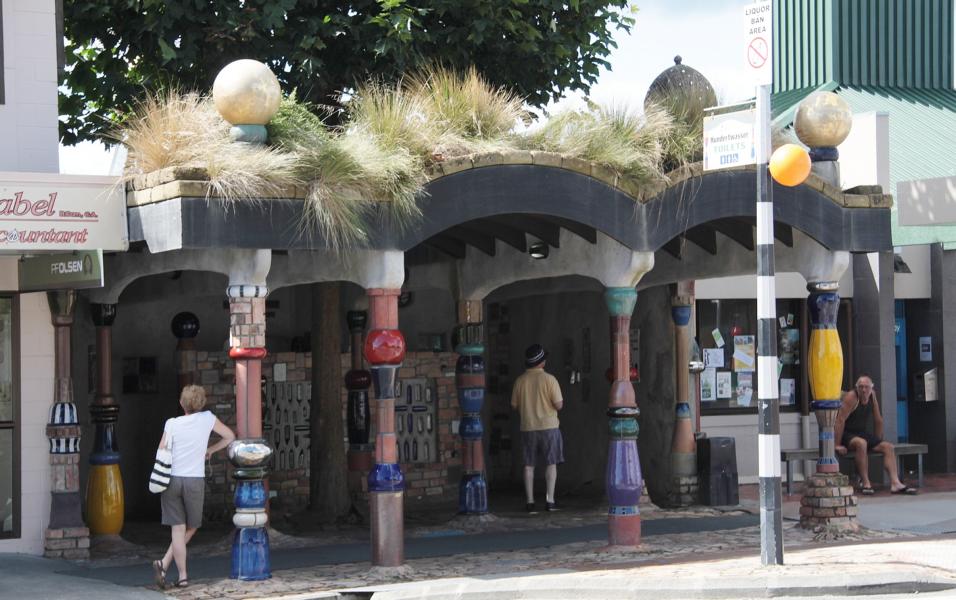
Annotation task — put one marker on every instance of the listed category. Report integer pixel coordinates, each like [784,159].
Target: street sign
[46,211]
[729,139]
[73,270]
[758,37]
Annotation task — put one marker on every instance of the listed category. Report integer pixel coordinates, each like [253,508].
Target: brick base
[828,502]
[686,491]
[72,543]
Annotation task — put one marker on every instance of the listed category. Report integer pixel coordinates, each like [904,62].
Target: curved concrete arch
[367,268]
[608,262]
[123,269]
[663,212]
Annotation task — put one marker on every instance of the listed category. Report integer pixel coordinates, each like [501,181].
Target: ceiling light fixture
[538,250]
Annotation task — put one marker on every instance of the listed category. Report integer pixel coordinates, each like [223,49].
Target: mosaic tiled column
[384,351]
[826,368]
[104,487]
[828,500]
[249,453]
[623,478]
[470,381]
[66,535]
[357,382]
[683,444]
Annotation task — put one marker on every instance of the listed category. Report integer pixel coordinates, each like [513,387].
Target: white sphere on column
[246,92]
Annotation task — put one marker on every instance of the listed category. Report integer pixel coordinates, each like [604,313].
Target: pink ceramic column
[385,350]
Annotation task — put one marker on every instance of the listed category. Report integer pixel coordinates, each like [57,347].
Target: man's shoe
[529,507]
[550,507]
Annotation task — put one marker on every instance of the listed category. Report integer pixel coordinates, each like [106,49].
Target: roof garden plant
[379,148]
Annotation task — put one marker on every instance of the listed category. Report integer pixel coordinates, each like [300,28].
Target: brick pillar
[66,534]
[623,478]
[385,350]
[828,499]
[104,489]
[358,417]
[470,381]
[683,444]
[250,453]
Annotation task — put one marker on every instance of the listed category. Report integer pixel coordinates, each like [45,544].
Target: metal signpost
[758,21]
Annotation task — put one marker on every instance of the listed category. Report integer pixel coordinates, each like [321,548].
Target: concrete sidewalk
[33,578]
[917,566]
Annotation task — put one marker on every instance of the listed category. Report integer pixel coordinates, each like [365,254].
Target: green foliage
[537,49]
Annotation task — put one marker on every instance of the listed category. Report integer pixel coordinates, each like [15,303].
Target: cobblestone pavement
[578,556]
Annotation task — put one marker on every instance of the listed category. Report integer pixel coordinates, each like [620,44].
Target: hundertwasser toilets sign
[42,212]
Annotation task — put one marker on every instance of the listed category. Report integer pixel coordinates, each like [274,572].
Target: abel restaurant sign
[47,211]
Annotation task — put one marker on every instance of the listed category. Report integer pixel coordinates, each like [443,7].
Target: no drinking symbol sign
[758,34]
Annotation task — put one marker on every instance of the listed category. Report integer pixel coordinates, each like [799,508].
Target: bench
[788,456]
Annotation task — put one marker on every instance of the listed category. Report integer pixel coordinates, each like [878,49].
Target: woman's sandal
[867,491]
[182,583]
[159,574]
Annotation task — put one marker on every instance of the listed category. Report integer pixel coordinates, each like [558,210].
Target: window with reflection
[9,435]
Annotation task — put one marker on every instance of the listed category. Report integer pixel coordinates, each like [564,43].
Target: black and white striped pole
[768,403]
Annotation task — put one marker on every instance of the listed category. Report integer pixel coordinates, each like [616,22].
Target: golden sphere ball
[790,165]
[246,92]
[823,120]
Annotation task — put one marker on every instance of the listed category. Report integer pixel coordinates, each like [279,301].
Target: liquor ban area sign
[758,39]
[44,212]
[729,137]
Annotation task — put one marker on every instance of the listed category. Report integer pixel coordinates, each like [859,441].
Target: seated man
[859,428]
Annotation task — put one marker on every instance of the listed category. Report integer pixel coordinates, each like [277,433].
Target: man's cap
[535,355]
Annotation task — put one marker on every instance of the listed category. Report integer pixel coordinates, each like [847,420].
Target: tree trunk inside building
[328,484]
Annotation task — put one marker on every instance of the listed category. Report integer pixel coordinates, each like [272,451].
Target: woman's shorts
[182,501]
[542,447]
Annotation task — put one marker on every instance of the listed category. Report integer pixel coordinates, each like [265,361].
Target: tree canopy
[117,49]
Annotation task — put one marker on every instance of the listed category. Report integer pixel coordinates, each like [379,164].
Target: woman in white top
[188,439]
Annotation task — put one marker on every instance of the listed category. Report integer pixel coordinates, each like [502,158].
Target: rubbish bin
[717,471]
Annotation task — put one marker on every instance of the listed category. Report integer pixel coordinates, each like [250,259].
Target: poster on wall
[724,387]
[708,386]
[787,391]
[789,340]
[714,357]
[745,389]
[744,353]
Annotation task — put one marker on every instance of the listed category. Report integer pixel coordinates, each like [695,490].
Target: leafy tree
[116,48]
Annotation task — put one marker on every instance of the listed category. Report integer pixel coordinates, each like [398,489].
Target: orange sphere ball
[790,165]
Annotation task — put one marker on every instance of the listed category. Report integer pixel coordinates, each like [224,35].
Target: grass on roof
[381,146]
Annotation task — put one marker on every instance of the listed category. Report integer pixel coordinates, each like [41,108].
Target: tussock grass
[379,152]
[173,128]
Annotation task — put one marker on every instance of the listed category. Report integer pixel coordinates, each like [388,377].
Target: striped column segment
[385,350]
[623,477]
[825,363]
[768,402]
[250,453]
[66,535]
[104,488]
[470,381]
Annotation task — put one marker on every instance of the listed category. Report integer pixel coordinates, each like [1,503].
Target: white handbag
[162,468]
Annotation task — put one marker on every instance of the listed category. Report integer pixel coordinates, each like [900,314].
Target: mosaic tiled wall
[427,389]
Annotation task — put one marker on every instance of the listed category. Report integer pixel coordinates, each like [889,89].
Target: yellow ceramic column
[104,488]
[826,367]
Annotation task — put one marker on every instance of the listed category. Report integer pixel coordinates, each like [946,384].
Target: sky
[708,35]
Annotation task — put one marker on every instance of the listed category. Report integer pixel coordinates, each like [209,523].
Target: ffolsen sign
[47,211]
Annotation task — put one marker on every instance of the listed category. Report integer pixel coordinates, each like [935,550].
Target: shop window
[9,421]
[727,334]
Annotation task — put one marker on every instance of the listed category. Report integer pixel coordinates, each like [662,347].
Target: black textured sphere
[683,91]
[185,325]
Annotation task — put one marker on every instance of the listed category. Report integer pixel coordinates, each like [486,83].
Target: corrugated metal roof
[922,140]
[887,43]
